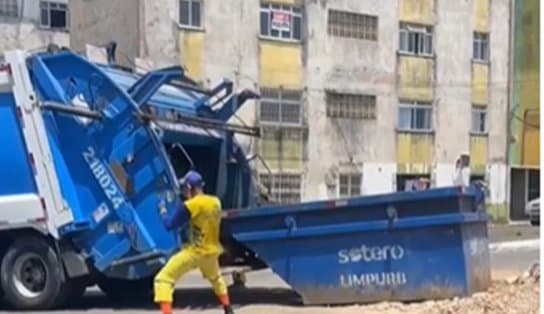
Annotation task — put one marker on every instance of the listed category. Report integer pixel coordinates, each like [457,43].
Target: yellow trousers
[181,263]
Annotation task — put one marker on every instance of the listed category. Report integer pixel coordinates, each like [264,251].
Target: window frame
[349,185]
[422,32]
[342,110]
[8,5]
[281,101]
[346,25]
[283,187]
[296,13]
[285,133]
[479,110]
[414,106]
[480,40]
[49,4]
[190,25]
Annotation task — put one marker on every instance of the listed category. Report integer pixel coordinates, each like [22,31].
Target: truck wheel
[127,291]
[32,275]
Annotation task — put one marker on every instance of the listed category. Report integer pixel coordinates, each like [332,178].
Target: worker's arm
[177,219]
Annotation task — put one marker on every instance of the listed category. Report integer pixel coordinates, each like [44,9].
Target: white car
[532,209]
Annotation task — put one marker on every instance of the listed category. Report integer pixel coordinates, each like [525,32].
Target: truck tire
[138,291]
[33,278]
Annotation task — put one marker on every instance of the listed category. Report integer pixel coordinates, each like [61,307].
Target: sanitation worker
[203,213]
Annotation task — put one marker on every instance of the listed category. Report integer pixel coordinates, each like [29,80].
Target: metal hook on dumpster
[392,214]
[290,223]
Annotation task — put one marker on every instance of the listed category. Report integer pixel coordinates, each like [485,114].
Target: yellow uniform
[202,249]
[204,226]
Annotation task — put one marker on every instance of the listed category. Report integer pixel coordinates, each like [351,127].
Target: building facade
[33,24]
[524,145]
[358,96]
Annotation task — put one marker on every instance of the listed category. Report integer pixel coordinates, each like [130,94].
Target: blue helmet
[191,180]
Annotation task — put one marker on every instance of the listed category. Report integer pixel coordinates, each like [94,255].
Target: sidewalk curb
[514,245]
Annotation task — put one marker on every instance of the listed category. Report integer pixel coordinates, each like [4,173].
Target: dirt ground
[516,295]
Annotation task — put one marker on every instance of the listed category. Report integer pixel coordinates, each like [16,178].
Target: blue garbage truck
[90,153]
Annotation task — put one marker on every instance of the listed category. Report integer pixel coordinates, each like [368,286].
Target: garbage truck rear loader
[80,186]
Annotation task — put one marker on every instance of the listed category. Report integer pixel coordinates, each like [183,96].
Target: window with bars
[415,116]
[190,13]
[480,46]
[479,119]
[281,106]
[283,147]
[281,21]
[349,184]
[352,25]
[285,188]
[416,40]
[351,106]
[54,15]
[9,8]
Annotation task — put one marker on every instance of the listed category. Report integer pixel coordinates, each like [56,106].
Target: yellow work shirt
[204,224]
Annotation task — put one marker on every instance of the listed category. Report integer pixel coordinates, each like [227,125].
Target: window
[54,15]
[283,147]
[285,188]
[284,135]
[415,116]
[9,8]
[417,40]
[352,25]
[190,13]
[351,106]
[349,184]
[281,21]
[479,117]
[480,46]
[281,106]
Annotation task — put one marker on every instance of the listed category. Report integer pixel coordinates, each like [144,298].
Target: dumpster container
[402,246]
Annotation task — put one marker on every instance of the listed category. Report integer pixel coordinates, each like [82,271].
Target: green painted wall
[524,151]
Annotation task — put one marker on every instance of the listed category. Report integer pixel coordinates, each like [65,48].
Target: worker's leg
[165,280]
[209,266]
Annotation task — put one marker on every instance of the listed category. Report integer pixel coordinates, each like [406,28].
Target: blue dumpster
[402,246]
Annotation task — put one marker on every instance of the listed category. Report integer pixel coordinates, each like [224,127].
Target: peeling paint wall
[452,117]
[478,154]
[416,78]
[417,11]
[24,32]
[414,153]
[350,65]
[98,22]
[481,15]
[480,83]
[280,64]
[191,53]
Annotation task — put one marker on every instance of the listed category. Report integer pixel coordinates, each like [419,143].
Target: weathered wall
[453,74]
[526,92]
[498,104]
[97,22]
[24,32]
[351,65]
[160,41]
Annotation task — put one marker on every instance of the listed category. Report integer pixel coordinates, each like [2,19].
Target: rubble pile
[517,295]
